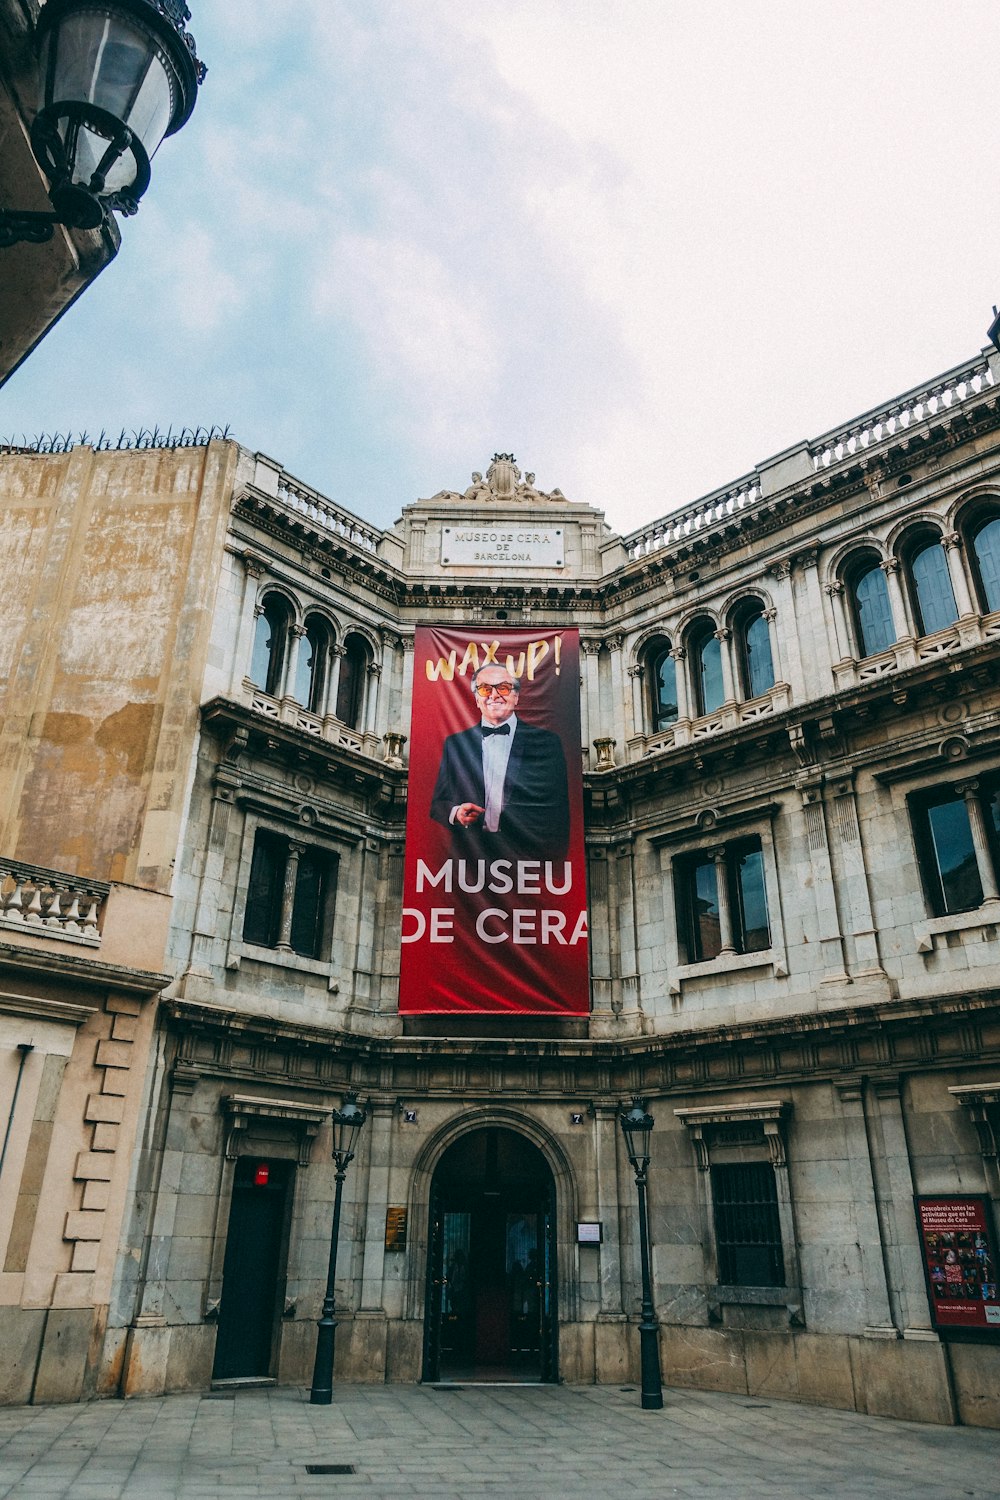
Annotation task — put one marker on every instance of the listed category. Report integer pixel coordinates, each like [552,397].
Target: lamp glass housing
[637,1126]
[105,60]
[347,1123]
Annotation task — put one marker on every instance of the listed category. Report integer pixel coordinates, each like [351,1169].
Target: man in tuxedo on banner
[501,786]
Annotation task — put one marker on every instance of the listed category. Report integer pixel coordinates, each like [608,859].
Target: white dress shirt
[496,754]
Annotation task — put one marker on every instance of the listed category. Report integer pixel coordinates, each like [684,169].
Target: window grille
[747,1226]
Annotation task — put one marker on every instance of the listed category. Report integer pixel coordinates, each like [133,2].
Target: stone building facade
[792,788]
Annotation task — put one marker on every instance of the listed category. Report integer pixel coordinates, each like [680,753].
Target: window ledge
[729,963]
[278,959]
[987,915]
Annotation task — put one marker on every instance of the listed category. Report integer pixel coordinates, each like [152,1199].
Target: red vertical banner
[495,896]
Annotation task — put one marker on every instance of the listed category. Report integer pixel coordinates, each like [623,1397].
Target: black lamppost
[347,1123]
[637,1126]
[115,77]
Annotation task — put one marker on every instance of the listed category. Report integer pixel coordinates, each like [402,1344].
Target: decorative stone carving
[605,754]
[503,484]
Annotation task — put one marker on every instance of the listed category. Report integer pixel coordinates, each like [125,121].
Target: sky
[643,246]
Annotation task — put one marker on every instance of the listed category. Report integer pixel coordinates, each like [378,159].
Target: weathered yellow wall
[108,571]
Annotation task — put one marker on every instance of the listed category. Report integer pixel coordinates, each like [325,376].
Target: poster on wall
[495,897]
[960,1261]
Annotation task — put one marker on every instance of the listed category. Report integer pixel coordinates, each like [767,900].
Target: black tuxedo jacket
[534,820]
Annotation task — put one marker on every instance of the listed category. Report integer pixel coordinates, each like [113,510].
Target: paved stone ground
[533,1443]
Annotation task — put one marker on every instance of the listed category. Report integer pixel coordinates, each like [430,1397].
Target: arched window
[313,662]
[986,553]
[353,678]
[754,637]
[931,591]
[868,591]
[706,667]
[270,645]
[661,671]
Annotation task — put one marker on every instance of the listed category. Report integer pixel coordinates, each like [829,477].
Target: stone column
[718,858]
[724,637]
[615,643]
[591,690]
[683,710]
[894,1180]
[208,940]
[771,616]
[872,1284]
[406,691]
[599,911]
[624,970]
[249,611]
[897,600]
[819,876]
[812,627]
[337,654]
[835,593]
[383,1112]
[144,1360]
[371,697]
[390,646]
[607,1205]
[611,1352]
[980,839]
[284,943]
[295,634]
[952,544]
[856,893]
[781,572]
[635,672]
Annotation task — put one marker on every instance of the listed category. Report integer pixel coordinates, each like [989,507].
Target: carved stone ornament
[503,483]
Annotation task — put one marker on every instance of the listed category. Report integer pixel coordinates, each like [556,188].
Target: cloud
[424,336]
[643,244]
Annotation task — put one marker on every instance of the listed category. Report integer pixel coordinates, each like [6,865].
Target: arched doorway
[491,1292]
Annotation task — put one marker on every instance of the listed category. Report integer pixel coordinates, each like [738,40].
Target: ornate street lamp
[637,1125]
[115,77]
[347,1123]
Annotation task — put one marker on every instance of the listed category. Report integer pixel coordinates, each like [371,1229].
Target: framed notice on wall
[959,1250]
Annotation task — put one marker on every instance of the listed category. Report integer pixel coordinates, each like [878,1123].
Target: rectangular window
[290,897]
[946,835]
[702,897]
[747,1225]
[739,924]
[267,875]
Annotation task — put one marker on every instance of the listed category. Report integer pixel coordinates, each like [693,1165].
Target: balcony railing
[737,504]
[945,393]
[51,904]
[326,515]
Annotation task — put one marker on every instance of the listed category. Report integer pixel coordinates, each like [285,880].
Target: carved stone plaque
[509,544]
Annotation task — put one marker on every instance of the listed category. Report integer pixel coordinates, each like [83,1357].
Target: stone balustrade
[324,514]
[739,502]
[51,904]
[918,405]
[287,711]
[721,505]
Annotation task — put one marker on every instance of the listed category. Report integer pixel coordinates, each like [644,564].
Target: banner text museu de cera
[495,914]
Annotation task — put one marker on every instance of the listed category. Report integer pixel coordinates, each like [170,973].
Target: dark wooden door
[253,1275]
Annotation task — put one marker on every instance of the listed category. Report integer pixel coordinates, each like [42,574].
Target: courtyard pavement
[530,1442]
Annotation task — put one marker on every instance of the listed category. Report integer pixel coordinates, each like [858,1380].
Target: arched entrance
[491,1293]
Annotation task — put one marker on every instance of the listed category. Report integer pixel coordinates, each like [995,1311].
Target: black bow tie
[498,729]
